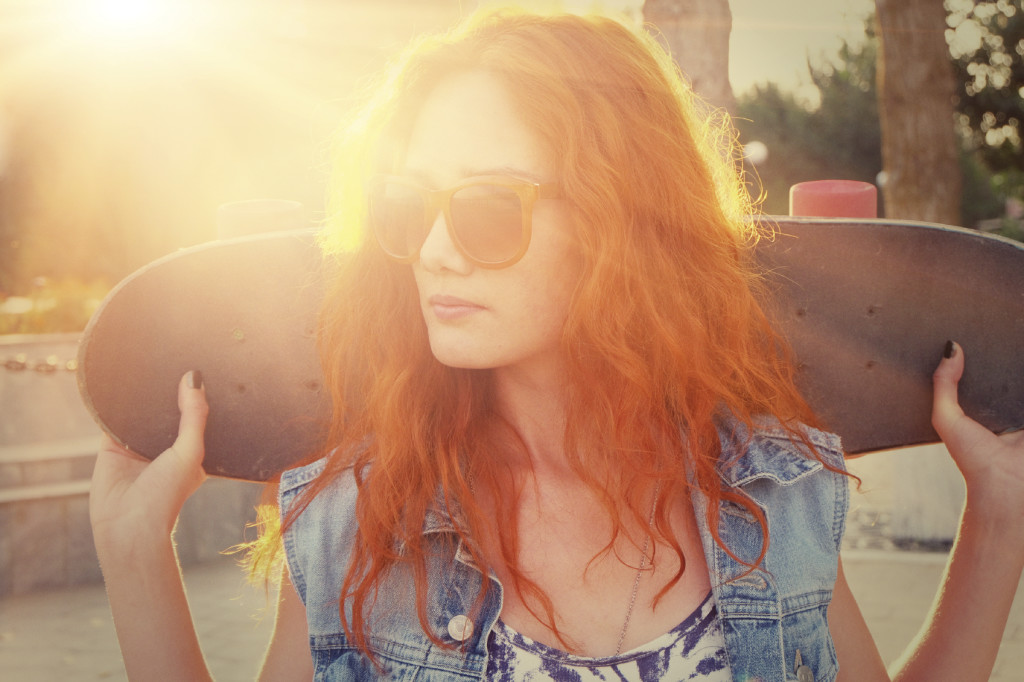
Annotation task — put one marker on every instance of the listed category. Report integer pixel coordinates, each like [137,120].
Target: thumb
[946,406]
[194,410]
[961,434]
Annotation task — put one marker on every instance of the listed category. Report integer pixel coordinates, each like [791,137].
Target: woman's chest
[578,585]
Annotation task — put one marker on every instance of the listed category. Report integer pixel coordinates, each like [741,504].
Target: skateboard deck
[242,311]
[866,305]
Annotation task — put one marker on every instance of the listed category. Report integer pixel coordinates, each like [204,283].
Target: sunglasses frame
[439,201]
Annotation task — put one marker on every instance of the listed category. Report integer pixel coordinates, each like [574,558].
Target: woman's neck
[533,402]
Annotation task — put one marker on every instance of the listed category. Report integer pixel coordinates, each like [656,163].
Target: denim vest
[767,615]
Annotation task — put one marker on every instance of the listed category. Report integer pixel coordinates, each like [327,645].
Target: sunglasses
[489,218]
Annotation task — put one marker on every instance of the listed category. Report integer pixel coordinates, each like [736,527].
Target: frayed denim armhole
[292,483]
[837,459]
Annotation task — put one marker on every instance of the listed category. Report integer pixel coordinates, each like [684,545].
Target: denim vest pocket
[318,549]
[401,649]
[335,659]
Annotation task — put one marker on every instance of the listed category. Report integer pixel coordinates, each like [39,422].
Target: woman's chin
[459,358]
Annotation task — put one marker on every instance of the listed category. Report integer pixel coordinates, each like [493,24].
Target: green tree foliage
[987,45]
[838,138]
[986,40]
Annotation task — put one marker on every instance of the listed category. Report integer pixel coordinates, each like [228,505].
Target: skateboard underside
[867,307]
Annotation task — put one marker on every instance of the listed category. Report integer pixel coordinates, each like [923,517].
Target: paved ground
[67,635]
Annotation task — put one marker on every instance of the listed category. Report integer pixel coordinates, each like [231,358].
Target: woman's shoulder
[319,529]
[340,489]
[767,448]
[300,476]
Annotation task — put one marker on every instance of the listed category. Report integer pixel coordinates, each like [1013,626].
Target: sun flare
[126,17]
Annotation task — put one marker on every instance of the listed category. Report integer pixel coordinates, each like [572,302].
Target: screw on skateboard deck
[867,306]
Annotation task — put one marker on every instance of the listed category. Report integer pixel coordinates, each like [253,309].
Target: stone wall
[48,443]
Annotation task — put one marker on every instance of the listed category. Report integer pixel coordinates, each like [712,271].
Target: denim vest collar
[769,453]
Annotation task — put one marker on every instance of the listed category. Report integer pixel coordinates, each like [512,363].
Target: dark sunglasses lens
[488,222]
[399,218]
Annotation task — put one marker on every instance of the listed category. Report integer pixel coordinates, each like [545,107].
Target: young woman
[566,442]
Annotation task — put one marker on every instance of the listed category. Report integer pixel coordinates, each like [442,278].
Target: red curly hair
[665,333]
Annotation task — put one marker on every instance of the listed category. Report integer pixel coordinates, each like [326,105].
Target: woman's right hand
[133,505]
[132,498]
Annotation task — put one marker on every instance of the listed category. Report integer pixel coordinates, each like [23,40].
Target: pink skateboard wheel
[834,199]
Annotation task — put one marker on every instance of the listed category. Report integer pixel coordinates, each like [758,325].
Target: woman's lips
[452,308]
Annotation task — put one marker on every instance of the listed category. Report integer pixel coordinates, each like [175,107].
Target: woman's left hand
[992,466]
[132,498]
[961,637]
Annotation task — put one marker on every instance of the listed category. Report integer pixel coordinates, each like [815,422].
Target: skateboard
[242,311]
[866,305]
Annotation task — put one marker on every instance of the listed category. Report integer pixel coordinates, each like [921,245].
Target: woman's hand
[133,505]
[992,466]
[961,636]
[133,498]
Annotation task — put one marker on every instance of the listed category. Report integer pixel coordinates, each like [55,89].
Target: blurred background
[124,124]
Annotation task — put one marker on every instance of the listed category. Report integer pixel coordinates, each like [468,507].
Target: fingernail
[195,379]
[950,350]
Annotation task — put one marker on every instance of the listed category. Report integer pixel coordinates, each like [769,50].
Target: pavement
[67,635]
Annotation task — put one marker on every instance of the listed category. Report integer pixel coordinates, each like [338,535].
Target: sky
[772,39]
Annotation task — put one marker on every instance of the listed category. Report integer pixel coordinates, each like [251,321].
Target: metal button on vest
[803,673]
[460,628]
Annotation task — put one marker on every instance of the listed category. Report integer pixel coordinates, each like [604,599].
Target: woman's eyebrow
[429,179]
[513,171]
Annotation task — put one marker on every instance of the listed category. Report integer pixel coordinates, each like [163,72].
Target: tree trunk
[915,90]
[696,32]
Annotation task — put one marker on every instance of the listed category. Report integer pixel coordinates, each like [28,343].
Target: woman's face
[489,318]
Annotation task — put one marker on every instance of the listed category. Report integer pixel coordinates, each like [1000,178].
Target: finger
[109,445]
[945,404]
[1013,437]
[113,461]
[194,410]
[961,434]
[115,468]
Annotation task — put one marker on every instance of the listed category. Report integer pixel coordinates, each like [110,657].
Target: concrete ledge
[17,340]
[887,556]
[34,468]
[83,446]
[47,491]
[44,405]
[46,538]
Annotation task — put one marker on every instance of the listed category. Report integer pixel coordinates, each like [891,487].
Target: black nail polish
[950,350]
[195,379]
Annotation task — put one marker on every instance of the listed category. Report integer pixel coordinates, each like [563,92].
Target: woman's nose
[439,252]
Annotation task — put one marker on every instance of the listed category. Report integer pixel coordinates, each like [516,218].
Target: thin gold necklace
[639,571]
